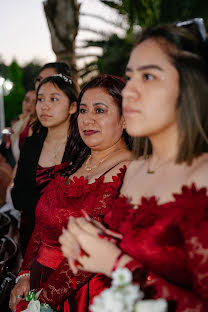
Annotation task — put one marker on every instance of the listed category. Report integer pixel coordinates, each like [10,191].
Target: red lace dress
[49,269]
[169,244]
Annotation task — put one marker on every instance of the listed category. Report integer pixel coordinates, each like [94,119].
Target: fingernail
[77,250]
[101,235]
[85,215]
[76,263]
[115,232]
[82,253]
[107,237]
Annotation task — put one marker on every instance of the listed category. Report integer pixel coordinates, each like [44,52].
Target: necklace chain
[90,169]
[152,171]
[55,154]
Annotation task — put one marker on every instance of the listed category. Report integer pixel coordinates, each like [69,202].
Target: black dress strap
[111,168]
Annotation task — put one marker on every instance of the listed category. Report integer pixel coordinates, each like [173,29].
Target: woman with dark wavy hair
[70,194]
[162,213]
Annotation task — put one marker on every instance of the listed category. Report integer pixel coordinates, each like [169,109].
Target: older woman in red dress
[91,188]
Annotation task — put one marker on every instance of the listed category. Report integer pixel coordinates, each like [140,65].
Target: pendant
[88,169]
[150,171]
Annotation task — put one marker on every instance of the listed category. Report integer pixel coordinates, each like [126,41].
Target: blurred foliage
[151,12]
[23,80]
[144,13]
[13,101]
[30,72]
[175,10]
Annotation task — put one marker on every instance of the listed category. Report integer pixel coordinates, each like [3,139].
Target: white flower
[123,296]
[108,301]
[159,305]
[131,294]
[121,277]
[33,306]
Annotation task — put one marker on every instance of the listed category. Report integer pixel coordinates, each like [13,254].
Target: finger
[72,265]
[87,226]
[99,225]
[69,244]
[26,291]
[13,300]
[89,219]
[66,251]
[114,234]
[65,237]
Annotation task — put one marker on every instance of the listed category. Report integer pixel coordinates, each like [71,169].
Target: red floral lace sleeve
[61,284]
[32,247]
[98,198]
[169,246]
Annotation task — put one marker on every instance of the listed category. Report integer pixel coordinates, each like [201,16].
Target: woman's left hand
[96,254]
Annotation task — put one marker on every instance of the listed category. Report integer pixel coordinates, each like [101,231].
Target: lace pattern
[169,242]
[58,202]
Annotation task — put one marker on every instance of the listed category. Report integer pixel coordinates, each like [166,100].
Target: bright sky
[24,34]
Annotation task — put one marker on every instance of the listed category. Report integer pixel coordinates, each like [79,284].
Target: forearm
[62,283]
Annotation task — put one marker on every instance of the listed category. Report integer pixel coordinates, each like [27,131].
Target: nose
[88,118]
[130,91]
[44,105]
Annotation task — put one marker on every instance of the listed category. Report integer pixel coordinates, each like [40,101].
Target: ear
[123,122]
[73,108]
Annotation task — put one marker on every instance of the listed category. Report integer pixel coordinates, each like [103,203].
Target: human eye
[148,76]
[82,110]
[99,110]
[39,99]
[54,99]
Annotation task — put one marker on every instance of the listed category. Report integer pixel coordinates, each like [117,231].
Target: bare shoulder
[134,166]
[199,174]
[116,170]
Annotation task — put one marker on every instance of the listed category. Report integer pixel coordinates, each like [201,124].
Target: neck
[99,154]
[58,134]
[165,145]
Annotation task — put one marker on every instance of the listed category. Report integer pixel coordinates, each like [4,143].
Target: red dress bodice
[58,202]
[170,242]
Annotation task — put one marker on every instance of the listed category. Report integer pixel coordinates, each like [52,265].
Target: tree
[175,10]
[139,12]
[30,72]
[62,17]
[63,22]
[13,101]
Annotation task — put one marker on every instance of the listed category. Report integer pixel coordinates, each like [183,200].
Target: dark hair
[75,145]
[188,54]
[60,68]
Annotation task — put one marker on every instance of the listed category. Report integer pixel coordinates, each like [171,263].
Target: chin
[132,130]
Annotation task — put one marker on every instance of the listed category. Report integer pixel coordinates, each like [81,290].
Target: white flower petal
[159,305]
[121,277]
[34,306]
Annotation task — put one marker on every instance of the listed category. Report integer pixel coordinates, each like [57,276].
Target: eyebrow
[95,104]
[150,66]
[54,93]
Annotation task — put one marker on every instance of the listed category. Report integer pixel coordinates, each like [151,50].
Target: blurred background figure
[22,127]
